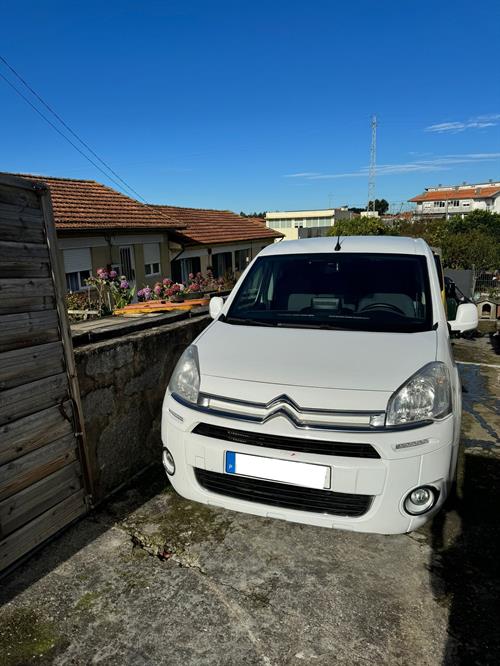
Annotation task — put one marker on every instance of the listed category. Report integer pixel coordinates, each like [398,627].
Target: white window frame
[152,259]
[77,262]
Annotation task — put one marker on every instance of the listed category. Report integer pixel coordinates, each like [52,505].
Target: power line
[82,142]
[57,129]
[71,131]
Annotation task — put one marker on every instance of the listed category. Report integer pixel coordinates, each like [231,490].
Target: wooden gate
[43,474]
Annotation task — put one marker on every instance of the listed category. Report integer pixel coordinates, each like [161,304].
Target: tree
[254,214]
[360,226]
[471,241]
[381,206]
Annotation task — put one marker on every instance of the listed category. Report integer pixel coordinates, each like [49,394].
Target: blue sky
[257,105]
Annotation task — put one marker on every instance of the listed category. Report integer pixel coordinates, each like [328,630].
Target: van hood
[349,360]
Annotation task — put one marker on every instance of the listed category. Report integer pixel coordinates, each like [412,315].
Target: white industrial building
[288,222]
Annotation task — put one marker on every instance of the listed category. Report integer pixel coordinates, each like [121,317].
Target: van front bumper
[384,481]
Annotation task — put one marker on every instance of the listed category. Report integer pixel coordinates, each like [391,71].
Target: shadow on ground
[465,565]
[465,537]
[36,565]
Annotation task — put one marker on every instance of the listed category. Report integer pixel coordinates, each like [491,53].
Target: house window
[241,259]
[77,266]
[439,204]
[455,203]
[152,265]
[188,266]
[75,281]
[152,269]
[222,263]
[181,268]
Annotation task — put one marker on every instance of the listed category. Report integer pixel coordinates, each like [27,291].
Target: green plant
[113,290]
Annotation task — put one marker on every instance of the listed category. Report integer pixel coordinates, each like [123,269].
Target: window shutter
[77,260]
[151,253]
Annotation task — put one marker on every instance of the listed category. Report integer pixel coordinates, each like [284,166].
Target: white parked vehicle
[325,391]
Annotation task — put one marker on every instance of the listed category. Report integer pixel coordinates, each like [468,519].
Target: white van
[325,391]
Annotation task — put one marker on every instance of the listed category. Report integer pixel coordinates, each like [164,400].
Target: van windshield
[353,291]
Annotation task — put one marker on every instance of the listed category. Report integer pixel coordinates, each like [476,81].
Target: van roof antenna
[338,246]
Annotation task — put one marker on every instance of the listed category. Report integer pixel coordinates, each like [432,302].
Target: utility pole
[373,163]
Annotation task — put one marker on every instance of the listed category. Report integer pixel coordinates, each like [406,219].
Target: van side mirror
[215,306]
[466,318]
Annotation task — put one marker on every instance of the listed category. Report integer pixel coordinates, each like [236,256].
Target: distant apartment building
[289,222]
[443,201]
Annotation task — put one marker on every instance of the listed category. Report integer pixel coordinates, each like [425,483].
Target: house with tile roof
[219,240]
[98,226]
[443,201]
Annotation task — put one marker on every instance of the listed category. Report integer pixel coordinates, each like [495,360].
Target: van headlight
[185,379]
[425,396]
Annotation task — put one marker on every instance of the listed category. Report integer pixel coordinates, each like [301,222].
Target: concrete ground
[154,579]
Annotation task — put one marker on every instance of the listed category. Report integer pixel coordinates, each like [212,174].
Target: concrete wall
[122,384]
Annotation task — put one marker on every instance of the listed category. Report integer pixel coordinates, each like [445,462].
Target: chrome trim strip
[297,424]
[286,400]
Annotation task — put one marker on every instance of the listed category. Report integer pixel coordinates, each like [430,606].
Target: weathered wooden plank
[33,397]
[22,251]
[24,269]
[28,364]
[28,304]
[22,472]
[29,503]
[34,431]
[24,198]
[30,328]
[88,457]
[18,225]
[37,531]
[20,288]
[19,212]
[26,295]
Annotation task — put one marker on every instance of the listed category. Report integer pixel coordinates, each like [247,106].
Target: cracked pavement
[154,579]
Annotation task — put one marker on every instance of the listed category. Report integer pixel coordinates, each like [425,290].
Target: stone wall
[122,384]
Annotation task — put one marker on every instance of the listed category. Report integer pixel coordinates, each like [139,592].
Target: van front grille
[346,449]
[284,495]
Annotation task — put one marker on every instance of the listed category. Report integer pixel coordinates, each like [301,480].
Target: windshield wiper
[247,322]
[320,325]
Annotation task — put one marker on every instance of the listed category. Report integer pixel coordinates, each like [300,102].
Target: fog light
[420,500]
[168,462]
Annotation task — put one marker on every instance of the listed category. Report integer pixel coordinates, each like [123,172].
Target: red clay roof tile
[205,226]
[81,205]
[452,193]
[86,204]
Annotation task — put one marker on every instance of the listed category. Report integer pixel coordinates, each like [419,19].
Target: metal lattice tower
[373,163]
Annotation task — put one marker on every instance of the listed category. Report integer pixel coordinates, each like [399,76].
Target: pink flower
[170,292]
[157,289]
[194,287]
[176,288]
[191,276]
[167,282]
[112,274]
[124,284]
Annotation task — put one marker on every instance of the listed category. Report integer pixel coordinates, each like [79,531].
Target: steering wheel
[384,306]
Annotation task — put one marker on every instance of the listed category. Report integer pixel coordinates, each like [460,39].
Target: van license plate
[272,469]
